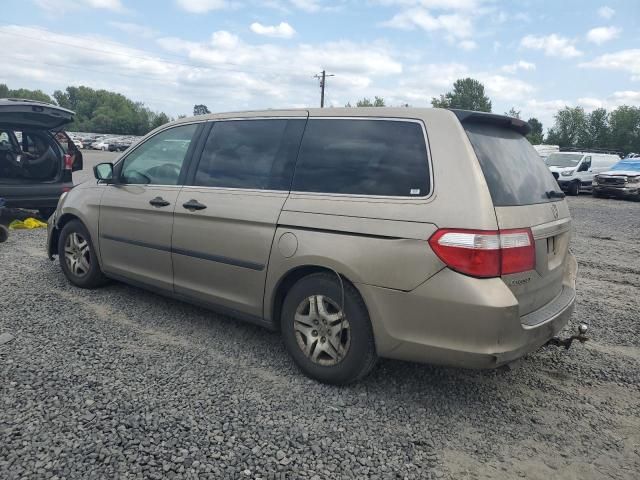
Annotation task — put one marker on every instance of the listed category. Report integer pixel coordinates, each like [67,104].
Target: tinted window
[255,154]
[363,157]
[159,160]
[515,173]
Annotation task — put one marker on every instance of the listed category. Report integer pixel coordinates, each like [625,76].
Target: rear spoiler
[469,116]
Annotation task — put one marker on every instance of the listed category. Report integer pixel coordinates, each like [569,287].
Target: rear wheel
[78,258]
[4,234]
[574,188]
[326,329]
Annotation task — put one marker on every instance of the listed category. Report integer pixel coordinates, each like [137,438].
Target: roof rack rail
[591,150]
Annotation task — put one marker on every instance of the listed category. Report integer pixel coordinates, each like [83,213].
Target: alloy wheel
[77,254]
[322,330]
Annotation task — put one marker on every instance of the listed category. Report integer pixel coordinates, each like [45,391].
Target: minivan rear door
[525,195]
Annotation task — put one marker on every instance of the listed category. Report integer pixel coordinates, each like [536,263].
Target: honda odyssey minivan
[426,235]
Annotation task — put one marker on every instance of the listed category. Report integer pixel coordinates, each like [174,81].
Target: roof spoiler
[469,116]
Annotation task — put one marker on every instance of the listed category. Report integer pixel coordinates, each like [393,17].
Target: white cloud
[57,6]
[201,6]
[553,45]
[623,60]
[436,4]
[468,45]
[606,12]
[519,65]
[283,30]
[456,25]
[601,35]
[134,29]
[625,97]
[307,5]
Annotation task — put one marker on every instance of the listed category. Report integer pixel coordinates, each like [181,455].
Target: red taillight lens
[482,253]
[68,162]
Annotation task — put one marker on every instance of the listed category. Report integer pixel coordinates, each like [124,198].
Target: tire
[351,331]
[574,188]
[85,271]
[4,234]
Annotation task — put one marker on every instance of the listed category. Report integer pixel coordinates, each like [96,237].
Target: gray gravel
[122,383]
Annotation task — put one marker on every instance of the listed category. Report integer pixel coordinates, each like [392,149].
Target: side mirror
[104,172]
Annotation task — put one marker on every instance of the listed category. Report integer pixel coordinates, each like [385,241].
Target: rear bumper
[461,321]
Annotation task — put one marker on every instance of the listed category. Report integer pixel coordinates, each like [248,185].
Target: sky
[534,55]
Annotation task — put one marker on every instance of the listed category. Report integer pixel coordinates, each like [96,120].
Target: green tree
[569,125]
[200,110]
[39,95]
[536,136]
[102,111]
[159,119]
[624,124]
[365,102]
[467,94]
[513,113]
[596,132]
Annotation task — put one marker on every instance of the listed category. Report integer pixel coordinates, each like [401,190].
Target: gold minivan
[425,235]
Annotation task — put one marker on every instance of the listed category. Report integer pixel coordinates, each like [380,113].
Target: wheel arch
[288,279]
[55,232]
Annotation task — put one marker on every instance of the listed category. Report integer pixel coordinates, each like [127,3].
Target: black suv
[36,156]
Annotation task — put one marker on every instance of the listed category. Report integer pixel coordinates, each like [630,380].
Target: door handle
[159,202]
[194,205]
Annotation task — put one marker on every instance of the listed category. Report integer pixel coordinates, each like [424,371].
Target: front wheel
[574,188]
[326,329]
[78,258]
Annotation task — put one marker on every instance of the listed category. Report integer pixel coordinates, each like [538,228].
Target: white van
[574,171]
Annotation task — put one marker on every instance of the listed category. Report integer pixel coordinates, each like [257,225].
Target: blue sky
[536,56]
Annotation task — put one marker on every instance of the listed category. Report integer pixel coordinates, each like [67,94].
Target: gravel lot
[122,383]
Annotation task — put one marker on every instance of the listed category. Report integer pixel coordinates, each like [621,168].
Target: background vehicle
[574,171]
[623,180]
[349,230]
[100,145]
[35,164]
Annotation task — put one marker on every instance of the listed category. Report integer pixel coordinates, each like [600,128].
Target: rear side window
[251,154]
[515,173]
[363,157]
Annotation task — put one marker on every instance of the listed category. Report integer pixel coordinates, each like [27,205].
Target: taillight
[68,162]
[485,253]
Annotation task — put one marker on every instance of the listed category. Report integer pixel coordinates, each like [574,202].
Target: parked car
[351,231]
[78,144]
[622,180]
[100,145]
[574,171]
[117,146]
[36,156]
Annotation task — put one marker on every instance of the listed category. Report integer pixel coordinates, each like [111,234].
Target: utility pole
[322,76]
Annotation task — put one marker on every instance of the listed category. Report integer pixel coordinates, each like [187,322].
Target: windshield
[629,165]
[563,159]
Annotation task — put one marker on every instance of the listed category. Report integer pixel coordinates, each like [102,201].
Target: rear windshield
[515,173]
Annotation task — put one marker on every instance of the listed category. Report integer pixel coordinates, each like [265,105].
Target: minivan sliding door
[226,215]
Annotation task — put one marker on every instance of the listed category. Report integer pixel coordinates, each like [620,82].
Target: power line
[322,76]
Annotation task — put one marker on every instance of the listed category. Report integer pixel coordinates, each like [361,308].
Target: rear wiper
[555,194]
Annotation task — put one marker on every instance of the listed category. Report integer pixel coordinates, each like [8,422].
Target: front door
[136,212]
[226,217]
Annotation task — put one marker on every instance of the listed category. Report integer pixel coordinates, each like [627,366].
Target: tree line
[100,111]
